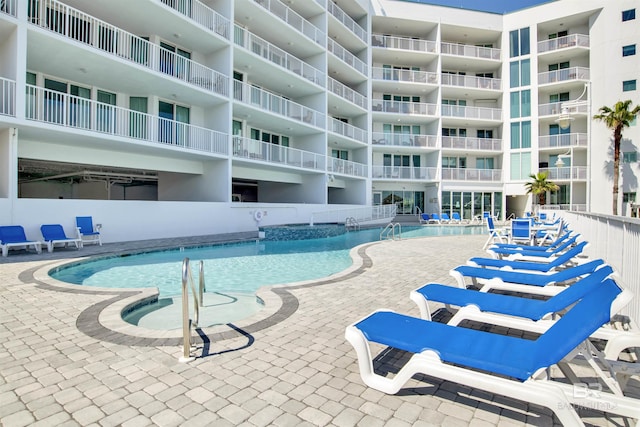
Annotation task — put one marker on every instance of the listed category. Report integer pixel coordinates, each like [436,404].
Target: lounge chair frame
[14,237]
[53,234]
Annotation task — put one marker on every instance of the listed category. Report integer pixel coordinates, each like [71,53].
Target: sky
[495,6]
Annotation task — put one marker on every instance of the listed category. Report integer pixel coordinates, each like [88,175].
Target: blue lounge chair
[550,244]
[496,235]
[504,365]
[521,231]
[455,217]
[13,236]
[424,218]
[512,253]
[435,218]
[444,218]
[53,234]
[563,260]
[86,231]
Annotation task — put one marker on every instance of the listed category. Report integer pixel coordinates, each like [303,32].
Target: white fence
[367,214]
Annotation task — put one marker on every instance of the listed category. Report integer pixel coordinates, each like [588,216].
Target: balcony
[403,43]
[405,140]
[566,74]
[7,97]
[471,81]
[566,140]
[345,167]
[470,51]
[408,76]
[69,111]
[80,27]
[467,143]
[555,108]
[271,53]
[567,173]
[348,131]
[476,175]
[10,7]
[481,113]
[572,40]
[292,18]
[401,107]
[346,20]
[252,149]
[404,172]
[347,57]
[201,14]
[345,92]
[276,104]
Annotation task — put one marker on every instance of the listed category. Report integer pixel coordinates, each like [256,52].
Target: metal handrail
[390,229]
[187,322]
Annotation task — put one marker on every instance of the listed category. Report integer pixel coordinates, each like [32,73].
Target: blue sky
[495,6]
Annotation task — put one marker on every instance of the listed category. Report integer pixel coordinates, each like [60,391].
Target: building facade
[168,118]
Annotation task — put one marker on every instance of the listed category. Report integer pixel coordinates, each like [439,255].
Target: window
[484,133]
[519,42]
[629,197]
[520,165]
[559,66]
[559,97]
[340,154]
[171,128]
[454,162]
[521,135]
[520,73]
[628,85]
[629,50]
[515,104]
[484,163]
[628,15]
[454,132]
[630,157]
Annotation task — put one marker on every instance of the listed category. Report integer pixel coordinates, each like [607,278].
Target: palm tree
[539,185]
[616,119]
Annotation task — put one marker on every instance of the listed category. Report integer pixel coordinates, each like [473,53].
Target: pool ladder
[350,223]
[187,322]
[389,232]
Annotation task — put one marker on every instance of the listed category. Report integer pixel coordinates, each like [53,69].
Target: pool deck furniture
[53,234]
[13,236]
[87,232]
[496,235]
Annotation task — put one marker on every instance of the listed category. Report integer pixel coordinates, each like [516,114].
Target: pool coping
[103,320]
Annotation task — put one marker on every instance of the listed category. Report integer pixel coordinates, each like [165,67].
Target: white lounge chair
[13,236]
[53,234]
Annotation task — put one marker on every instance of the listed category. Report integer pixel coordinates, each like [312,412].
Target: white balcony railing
[565,140]
[471,81]
[253,149]
[405,140]
[83,28]
[346,20]
[7,97]
[555,108]
[566,173]
[346,167]
[404,172]
[403,43]
[9,7]
[401,107]
[202,14]
[481,113]
[468,143]
[409,76]
[565,74]
[276,55]
[70,111]
[292,18]
[346,92]
[470,51]
[347,57]
[350,131]
[276,104]
[463,174]
[564,42]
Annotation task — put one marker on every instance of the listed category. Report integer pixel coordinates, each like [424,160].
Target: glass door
[105,112]
[137,117]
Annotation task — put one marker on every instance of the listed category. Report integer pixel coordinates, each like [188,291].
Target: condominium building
[169,118]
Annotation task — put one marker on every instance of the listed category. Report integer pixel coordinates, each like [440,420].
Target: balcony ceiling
[6,29]
[564,23]
[468,35]
[409,28]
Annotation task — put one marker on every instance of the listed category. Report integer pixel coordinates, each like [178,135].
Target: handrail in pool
[187,282]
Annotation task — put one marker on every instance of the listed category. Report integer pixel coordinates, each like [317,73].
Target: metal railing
[295,20]
[565,74]
[566,173]
[408,76]
[202,14]
[471,81]
[389,232]
[361,214]
[274,54]
[563,140]
[253,149]
[346,92]
[276,104]
[347,130]
[404,172]
[347,57]
[346,20]
[10,7]
[7,97]
[66,110]
[197,294]
[555,108]
[402,107]
[482,113]
[403,43]
[464,174]
[406,140]
[564,42]
[469,143]
[346,167]
[470,51]
[81,27]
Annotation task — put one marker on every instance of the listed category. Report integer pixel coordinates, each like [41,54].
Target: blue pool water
[242,267]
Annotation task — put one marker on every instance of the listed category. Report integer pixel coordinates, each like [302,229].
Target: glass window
[515,135]
[525,103]
[514,44]
[524,41]
[525,72]
[31,78]
[629,197]
[515,104]
[514,73]
[630,157]
[526,134]
[628,85]
[520,165]
[629,50]
[628,15]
